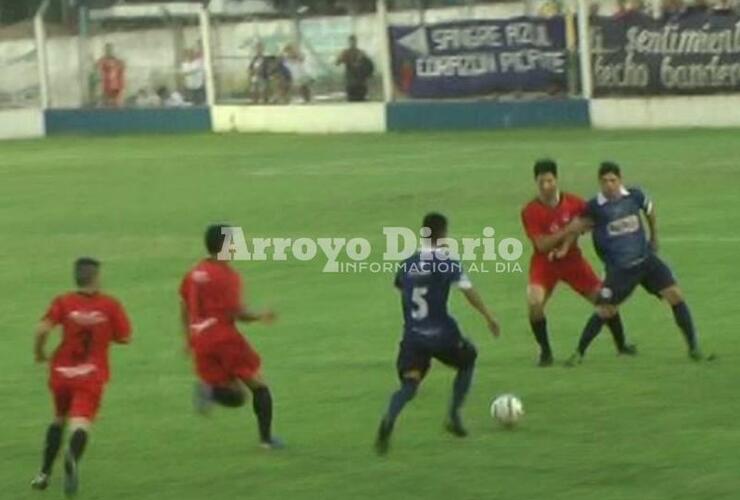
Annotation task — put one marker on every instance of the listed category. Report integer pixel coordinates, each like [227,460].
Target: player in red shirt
[557,257]
[112,71]
[224,361]
[79,370]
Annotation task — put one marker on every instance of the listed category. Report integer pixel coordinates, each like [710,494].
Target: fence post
[39,33]
[205,36]
[584,49]
[385,50]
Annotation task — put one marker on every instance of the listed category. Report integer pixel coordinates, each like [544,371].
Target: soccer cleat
[202,402]
[273,444]
[71,480]
[575,360]
[628,350]
[383,440]
[546,359]
[455,427]
[40,482]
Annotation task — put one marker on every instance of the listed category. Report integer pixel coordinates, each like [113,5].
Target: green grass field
[656,427]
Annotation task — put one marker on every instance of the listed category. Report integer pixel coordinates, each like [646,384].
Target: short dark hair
[215,237]
[545,166]
[85,271]
[609,167]
[437,224]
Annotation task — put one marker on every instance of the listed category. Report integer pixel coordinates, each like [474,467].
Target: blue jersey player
[430,332]
[630,256]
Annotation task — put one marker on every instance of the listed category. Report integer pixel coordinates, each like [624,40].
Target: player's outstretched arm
[579,225]
[475,300]
[247,315]
[42,335]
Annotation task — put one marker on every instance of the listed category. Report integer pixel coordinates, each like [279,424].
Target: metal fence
[292,52]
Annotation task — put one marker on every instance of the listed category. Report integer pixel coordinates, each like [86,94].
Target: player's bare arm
[247,315]
[475,300]
[564,247]
[653,225]
[42,335]
[579,225]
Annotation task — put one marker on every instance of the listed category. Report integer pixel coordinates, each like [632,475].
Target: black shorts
[653,275]
[417,355]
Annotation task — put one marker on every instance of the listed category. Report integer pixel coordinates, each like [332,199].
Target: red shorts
[76,398]
[225,360]
[573,269]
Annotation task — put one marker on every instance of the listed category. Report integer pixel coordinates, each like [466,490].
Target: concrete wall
[666,112]
[21,123]
[325,118]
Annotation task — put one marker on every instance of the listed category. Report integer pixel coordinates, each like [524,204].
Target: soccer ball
[507,409]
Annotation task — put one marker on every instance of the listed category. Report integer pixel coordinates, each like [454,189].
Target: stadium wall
[486,115]
[127,121]
[666,112]
[318,119]
[21,123]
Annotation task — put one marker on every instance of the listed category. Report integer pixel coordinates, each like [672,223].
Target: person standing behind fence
[194,78]
[259,80]
[358,68]
[112,75]
[295,62]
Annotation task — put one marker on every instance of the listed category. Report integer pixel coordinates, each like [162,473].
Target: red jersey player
[224,360]
[79,370]
[557,257]
[112,72]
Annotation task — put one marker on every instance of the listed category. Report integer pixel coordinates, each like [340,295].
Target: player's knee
[673,295]
[606,311]
[79,423]
[536,302]
[229,396]
[469,357]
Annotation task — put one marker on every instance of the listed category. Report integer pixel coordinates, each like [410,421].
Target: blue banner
[692,53]
[478,58]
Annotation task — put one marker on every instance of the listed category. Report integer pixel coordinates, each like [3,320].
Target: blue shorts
[417,354]
[652,274]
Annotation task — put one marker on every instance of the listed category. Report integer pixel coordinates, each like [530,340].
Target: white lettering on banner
[521,34]
[473,65]
[670,40]
[623,74]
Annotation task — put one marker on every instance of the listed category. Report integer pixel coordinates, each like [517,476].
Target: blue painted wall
[486,115]
[127,121]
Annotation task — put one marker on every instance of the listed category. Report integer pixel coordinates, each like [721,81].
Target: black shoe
[455,427]
[546,359]
[575,360]
[71,481]
[383,440]
[628,350]
[40,482]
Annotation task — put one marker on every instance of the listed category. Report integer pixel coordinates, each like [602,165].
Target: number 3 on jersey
[417,297]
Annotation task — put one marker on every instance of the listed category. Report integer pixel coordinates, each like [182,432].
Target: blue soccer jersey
[424,280]
[619,234]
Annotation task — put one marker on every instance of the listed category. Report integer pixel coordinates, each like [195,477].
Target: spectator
[723,8]
[697,7]
[258,75]
[672,9]
[295,63]
[358,68]
[194,77]
[170,99]
[112,75]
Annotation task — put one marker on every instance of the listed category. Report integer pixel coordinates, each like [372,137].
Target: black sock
[227,396]
[262,404]
[460,388]
[539,328]
[51,447]
[399,399]
[615,326]
[591,330]
[683,319]
[77,443]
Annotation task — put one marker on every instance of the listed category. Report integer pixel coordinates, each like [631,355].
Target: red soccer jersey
[540,219]
[211,292]
[90,323]
[111,70]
